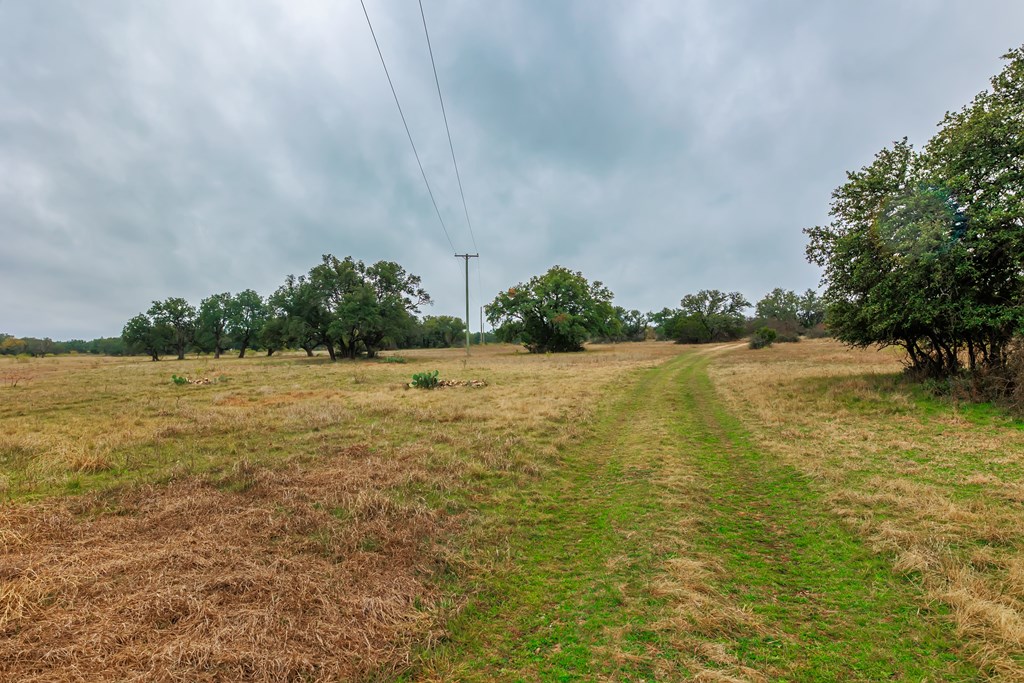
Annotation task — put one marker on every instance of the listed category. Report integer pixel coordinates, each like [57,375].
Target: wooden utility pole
[466,257]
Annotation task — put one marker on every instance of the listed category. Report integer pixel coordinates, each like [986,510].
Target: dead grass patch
[291,522]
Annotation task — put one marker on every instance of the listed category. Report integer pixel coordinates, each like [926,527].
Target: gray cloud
[157,149]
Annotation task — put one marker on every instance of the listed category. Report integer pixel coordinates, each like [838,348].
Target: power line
[407,132]
[444,114]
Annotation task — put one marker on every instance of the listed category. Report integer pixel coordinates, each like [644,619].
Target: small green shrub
[762,338]
[425,380]
[179,380]
[392,359]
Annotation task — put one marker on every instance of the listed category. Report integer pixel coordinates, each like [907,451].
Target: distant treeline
[712,315]
[31,346]
[291,318]
[350,309]
[343,306]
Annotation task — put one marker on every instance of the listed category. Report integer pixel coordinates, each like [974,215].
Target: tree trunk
[330,350]
[241,352]
[920,358]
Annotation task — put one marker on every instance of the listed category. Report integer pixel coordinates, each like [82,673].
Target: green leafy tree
[366,305]
[246,316]
[179,317]
[557,311]
[396,296]
[142,335]
[341,294]
[782,305]
[924,250]
[665,322]
[711,315]
[108,346]
[442,331]
[976,158]
[780,311]
[273,335]
[297,317]
[630,325]
[212,323]
[810,310]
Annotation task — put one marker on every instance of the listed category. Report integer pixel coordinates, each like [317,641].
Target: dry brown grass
[287,522]
[924,483]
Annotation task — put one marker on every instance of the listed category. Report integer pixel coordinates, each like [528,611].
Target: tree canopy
[174,319]
[710,315]
[212,323]
[557,311]
[924,249]
[246,315]
[345,306]
[441,331]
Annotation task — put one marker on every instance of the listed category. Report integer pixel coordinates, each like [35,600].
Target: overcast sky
[180,148]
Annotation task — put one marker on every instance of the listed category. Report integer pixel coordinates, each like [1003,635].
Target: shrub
[425,380]
[817,332]
[1001,385]
[179,380]
[762,338]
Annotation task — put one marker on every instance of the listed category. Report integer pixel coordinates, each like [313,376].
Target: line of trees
[343,305]
[712,315]
[33,346]
[561,309]
[925,248]
[350,309]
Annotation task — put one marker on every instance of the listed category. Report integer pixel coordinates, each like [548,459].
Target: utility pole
[482,340]
[466,257]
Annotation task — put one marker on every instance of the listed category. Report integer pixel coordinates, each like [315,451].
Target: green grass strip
[832,610]
[573,599]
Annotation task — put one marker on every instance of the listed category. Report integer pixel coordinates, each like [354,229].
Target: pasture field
[635,512]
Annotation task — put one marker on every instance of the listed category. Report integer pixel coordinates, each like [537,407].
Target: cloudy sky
[156,148]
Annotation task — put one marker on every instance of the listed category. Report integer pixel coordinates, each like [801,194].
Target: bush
[762,338]
[819,331]
[179,380]
[1001,385]
[425,380]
